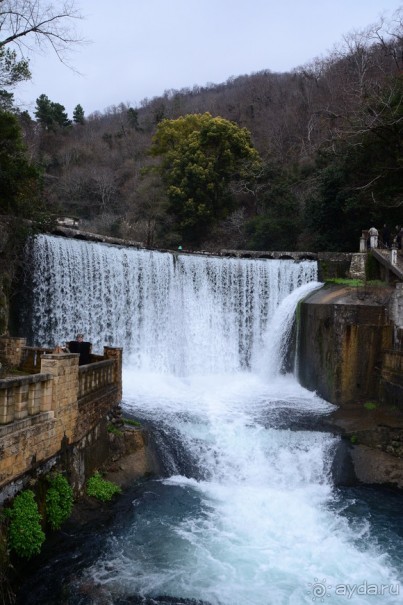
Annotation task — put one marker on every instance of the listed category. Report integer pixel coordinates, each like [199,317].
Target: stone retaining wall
[62,409]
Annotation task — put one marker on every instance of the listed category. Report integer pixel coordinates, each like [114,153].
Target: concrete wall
[343,333]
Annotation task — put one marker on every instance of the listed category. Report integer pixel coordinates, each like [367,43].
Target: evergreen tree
[19,179]
[78,115]
[51,115]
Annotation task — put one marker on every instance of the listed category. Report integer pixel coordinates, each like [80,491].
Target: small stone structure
[60,411]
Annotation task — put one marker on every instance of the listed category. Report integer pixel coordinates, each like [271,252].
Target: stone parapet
[64,405]
[116,353]
[24,396]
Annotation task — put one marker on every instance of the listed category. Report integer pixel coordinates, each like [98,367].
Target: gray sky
[139,48]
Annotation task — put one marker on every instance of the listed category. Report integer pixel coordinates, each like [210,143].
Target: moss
[131,422]
[354,283]
[114,430]
[370,405]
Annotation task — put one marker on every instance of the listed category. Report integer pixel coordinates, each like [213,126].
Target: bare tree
[33,25]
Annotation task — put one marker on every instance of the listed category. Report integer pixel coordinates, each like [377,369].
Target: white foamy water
[246,513]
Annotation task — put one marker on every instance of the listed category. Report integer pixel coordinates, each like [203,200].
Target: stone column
[64,369]
[116,353]
[393,255]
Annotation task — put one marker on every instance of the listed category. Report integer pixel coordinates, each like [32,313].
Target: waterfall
[172,313]
[246,511]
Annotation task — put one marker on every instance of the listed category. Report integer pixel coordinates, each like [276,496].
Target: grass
[356,283]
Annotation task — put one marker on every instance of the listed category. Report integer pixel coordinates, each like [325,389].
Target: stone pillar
[363,244]
[64,369]
[11,350]
[6,405]
[393,255]
[116,353]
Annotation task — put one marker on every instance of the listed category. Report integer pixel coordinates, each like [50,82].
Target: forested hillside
[329,159]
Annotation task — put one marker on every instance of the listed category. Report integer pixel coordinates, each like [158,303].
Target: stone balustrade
[24,396]
[61,405]
[95,376]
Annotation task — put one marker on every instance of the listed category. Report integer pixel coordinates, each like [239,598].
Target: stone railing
[24,396]
[95,376]
[63,406]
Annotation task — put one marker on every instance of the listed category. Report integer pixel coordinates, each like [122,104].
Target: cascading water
[246,513]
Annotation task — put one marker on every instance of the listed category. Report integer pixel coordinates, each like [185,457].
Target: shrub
[101,489]
[25,534]
[59,501]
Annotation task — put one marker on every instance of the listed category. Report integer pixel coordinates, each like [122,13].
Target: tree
[12,70]
[78,114]
[19,180]
[201,157]
[35,24]
[28,25]
[51,115]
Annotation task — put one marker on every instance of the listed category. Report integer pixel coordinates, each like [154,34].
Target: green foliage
[6,101]
[353,439]
[59,501]
[114,430]
[354,283]
[101,489]
[131,422]
[20,183]
[278,222]
[201,157]
[359,182]
[51,115]
[12,70]
[370,405]
[25,534]
[78,115]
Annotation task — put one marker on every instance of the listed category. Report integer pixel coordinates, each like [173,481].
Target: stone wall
[44,418]
[391,384]
[11,350]
[343,333]
[350,354]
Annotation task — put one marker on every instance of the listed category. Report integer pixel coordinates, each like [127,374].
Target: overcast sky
[139,48]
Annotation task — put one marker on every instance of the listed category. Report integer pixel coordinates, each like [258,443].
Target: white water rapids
[247,512]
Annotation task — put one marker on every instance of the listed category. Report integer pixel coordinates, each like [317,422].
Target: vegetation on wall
[59,501]
[25,534]
[101,489]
